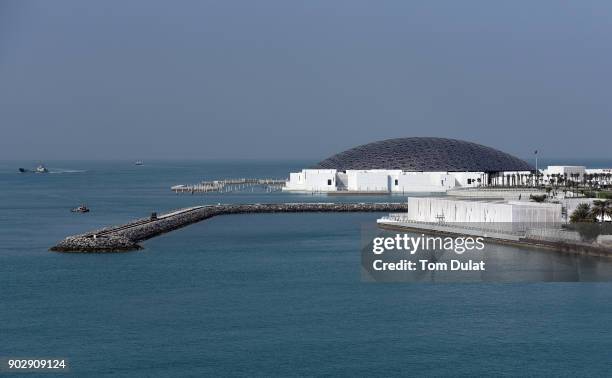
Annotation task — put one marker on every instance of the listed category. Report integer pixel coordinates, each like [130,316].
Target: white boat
[139,162]
[41,169]
[80,209]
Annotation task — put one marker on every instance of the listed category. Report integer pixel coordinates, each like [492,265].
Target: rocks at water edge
[126,237]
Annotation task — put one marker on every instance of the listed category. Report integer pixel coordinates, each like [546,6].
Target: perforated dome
[425,154]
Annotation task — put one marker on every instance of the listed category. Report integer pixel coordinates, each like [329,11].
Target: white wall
[373,180]
[430,209]
[566,169]
[532,213]
[379,180]
[468,179]
[398,181]
[515,214]
[312,180]
[435,182]
[296,181]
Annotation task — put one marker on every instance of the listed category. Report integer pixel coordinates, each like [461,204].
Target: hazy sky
[301,79]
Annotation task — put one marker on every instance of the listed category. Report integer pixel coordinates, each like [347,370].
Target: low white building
[379,180]
[602,176]
[399,181]
[312,180]
[560,174]
[433,209]
[568,172]
[599,171]
[504,214]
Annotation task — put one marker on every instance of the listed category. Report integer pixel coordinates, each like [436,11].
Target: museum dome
[425,155]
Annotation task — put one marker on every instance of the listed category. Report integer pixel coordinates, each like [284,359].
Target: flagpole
[537,170]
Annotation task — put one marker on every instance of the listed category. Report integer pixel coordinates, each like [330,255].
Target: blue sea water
[258,295]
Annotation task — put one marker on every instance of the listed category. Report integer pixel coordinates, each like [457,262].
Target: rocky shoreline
[126,237]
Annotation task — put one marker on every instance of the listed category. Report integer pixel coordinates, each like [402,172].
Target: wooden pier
[231,185]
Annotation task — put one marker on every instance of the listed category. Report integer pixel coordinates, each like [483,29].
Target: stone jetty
[230,185]
[127,236]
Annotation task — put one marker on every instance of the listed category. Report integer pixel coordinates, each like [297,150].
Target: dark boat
[23,170]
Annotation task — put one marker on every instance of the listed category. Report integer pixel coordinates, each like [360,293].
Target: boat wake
[59,171]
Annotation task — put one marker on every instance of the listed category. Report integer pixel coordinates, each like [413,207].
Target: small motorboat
[41,169]
[80,209]
[139,162]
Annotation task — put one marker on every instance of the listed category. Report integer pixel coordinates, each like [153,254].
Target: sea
[260,294]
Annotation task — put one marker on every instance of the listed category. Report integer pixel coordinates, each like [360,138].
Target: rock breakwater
[126,237]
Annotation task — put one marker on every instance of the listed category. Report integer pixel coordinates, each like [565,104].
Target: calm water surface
[265,294]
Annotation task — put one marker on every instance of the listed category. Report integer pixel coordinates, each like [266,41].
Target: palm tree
[601,208]
[582,214]
[586,179]
[576,180]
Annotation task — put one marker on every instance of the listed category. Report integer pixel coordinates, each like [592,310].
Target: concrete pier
[127,236]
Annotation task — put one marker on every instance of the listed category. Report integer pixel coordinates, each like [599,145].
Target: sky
[301,79]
